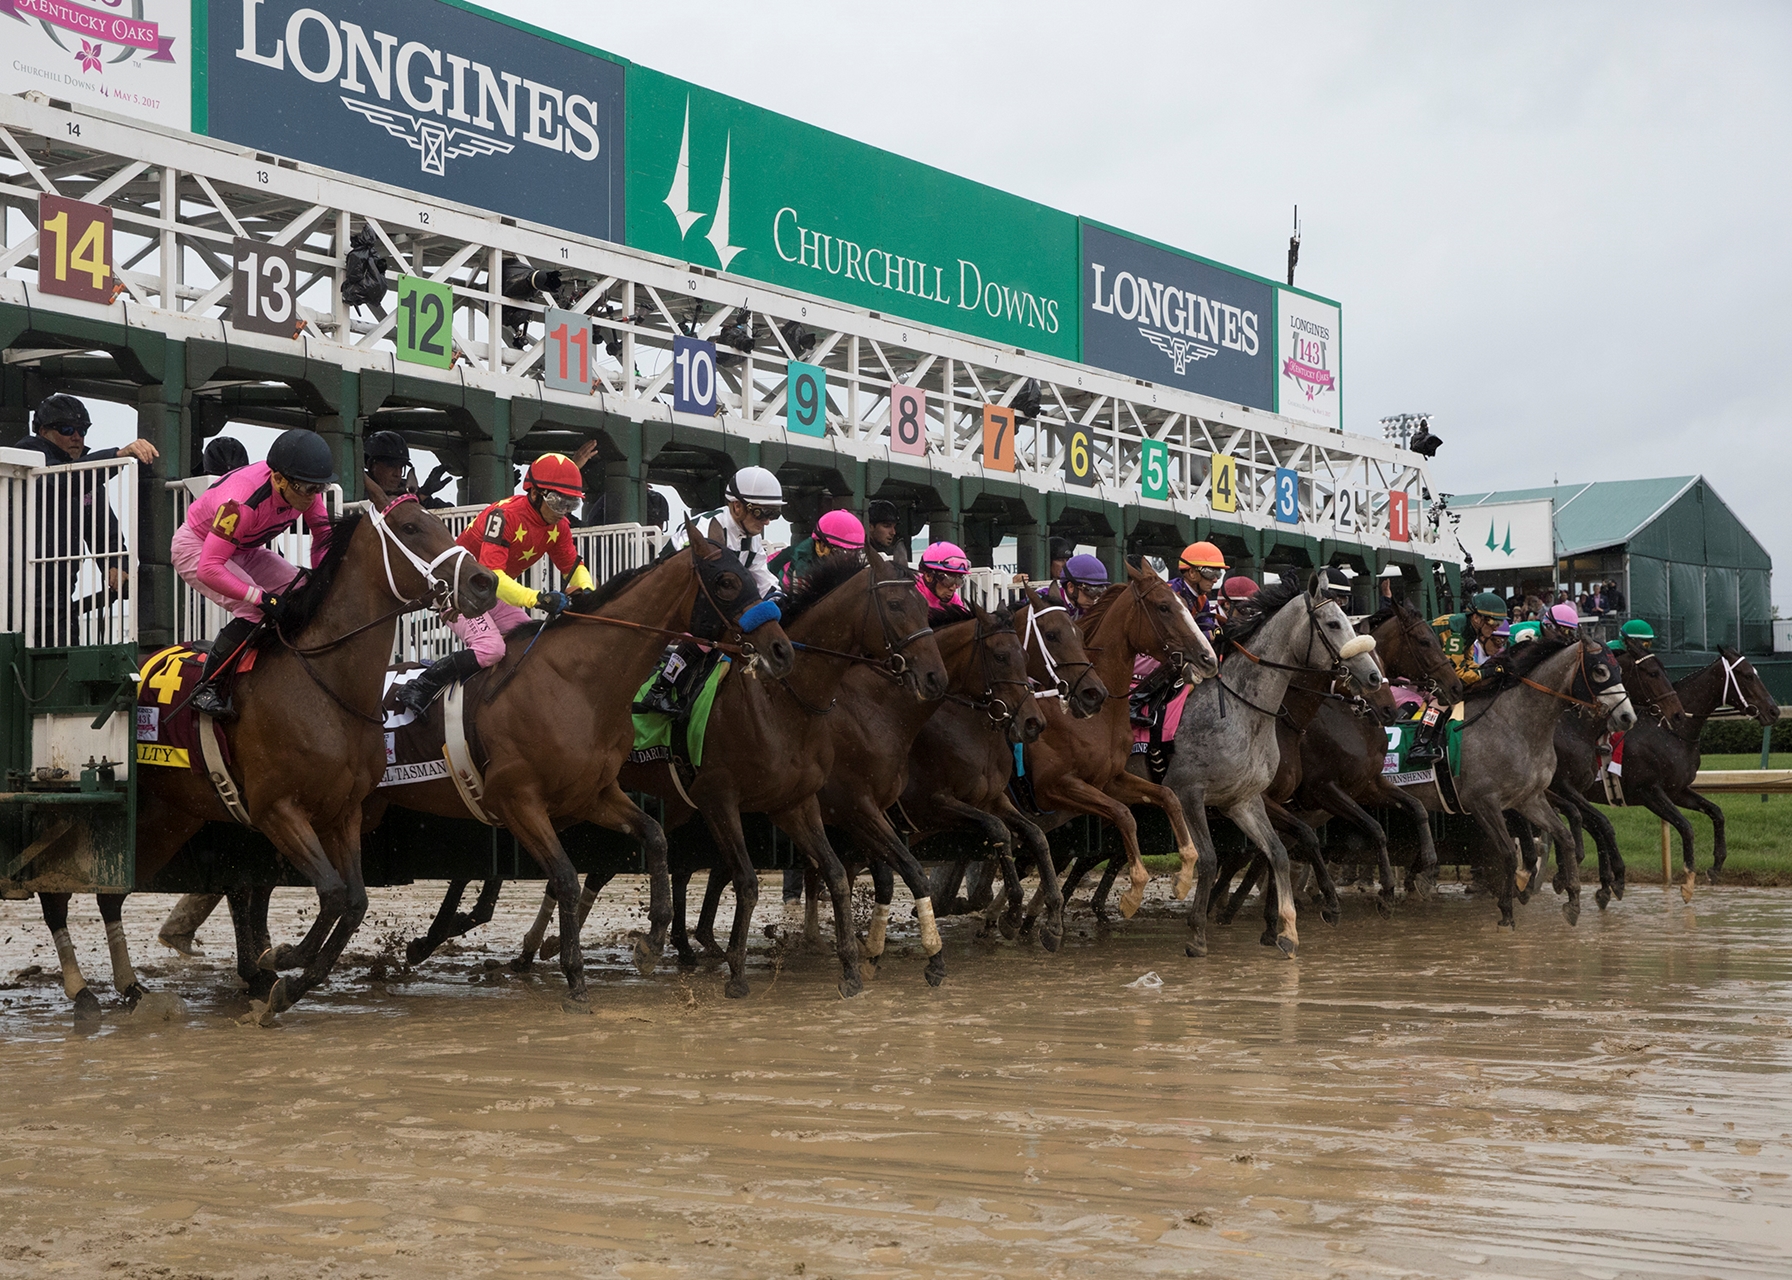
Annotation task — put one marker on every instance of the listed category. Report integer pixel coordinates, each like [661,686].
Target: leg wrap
[72,981]
[880,925]
[123,976]
[930,932]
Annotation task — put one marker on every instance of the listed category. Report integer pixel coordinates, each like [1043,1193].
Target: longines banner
[1170,318]
[441,99]
[132,57]
[1309,361]
[721,183]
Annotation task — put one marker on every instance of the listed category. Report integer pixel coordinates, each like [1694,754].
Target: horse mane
[1504,671]
[613,586]
[1099,610]
[1392,609]
[953,613]
[1248,617]
[300,606]
[830,573]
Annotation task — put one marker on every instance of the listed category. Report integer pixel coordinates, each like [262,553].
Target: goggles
[306,488]
[561,502]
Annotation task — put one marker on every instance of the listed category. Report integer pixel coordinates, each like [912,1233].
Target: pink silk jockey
[1142,666]
[933,601]
[222,548]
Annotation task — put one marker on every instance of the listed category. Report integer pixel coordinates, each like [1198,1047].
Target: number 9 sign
[694,376]
[806,399]
[908,420]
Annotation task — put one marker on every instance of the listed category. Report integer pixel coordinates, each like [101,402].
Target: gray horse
[1226,753]
[1509,749]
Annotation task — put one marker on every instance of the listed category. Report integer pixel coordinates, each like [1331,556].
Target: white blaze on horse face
[1620,715]
[1207,662]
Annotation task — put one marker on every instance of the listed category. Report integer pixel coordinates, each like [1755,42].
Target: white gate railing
[68,545]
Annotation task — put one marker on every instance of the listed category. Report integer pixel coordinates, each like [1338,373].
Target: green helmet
[1638,629]
[1487,605]
[1522,631]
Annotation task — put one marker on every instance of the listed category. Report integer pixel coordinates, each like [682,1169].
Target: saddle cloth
[678,737]
[167,726]
[1401,736]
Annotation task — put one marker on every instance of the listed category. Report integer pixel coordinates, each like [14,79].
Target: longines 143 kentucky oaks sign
[721,183]
[131,57]
[427,96]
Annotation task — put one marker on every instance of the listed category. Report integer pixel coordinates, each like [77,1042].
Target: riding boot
[665,695]
[1428,743]
[211,697]
[416,695]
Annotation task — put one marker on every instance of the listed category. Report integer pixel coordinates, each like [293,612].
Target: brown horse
[769,748]
[552,721]
[959,773]
[307,747]
[987,673]
[1079,766]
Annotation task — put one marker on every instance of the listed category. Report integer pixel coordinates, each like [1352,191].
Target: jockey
[1636,636]
[508,537]
[1235,591]
[837,533]
[1198,572]
[1462,636]
[755,499]
[221,550]
[943,569]
[1085,578]
[1562,621]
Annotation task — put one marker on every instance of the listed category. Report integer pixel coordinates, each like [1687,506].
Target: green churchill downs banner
[720,183]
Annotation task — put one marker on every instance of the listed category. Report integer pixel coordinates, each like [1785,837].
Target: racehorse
[1079,765]
[1226,753]
[1578,738]
[769,748]
[307,747]
[553,722]
[987,671]
[960,774]
[1508,754]
[1661,762]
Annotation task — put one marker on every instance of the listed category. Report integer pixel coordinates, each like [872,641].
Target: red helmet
[556,473]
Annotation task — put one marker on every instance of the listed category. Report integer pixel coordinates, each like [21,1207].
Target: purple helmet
[945,557]
[840,529]
[1087,570]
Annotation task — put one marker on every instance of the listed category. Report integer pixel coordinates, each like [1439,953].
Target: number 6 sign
[908,420]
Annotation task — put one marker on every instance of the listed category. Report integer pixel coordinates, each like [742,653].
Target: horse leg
[812,907]
[614,811]
[1307,845]
[534,830]
[723,818]
[1338,802]
[417,950]
[1610,858]
[124,977]
[1656,801]
[872,832]
[1098,900]
[720,876]
[1073,793]
[948,877]
[1254,866]
[1254,822]
[594,885]
[1569,811]
[681,941]
[74,983]
[260,981]
[803,824]
[1504,868]
[183,922]
[1130,789]
[1207,870]
[1049,894]
[1687,798]
[883,892]
[532,938]
[1543,814]
[1422,875]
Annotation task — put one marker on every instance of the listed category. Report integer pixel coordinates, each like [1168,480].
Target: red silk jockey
[508,538]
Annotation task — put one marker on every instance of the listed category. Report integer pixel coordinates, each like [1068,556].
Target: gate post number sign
[694,376]
[262,289]
[1287,496]
[1222,492]
[1079,465]
[425,330]
[74,250]
[806,399]
[1154,470]
[998,438]
[908,420]
[566,361]
[1399,512]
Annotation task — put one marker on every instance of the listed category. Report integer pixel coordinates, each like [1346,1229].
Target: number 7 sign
[998,438]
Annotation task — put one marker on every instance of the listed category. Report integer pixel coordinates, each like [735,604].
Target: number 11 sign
[566,360]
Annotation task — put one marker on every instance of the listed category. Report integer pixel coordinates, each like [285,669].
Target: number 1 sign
[1399,515]
[566,361]
[908,420]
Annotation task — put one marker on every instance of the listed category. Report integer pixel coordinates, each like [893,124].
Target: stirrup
[1424,753]
[209,700]
[418,695]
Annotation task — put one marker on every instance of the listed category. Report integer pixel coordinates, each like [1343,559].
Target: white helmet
[755,486]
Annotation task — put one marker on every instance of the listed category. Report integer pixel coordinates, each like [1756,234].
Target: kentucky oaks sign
[131,57]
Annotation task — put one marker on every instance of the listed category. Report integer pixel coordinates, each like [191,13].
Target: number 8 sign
[908,420]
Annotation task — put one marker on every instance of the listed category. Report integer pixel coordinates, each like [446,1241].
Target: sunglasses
[308,488]
[69,429]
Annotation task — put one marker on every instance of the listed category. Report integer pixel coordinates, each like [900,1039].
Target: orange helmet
[556,473]
[1202,555]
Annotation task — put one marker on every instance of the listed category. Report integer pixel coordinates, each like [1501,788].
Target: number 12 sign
[425,329]
[566,361]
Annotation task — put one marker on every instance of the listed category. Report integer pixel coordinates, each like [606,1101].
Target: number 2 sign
[908,420]
[425,330]
[74,250]
[262,298]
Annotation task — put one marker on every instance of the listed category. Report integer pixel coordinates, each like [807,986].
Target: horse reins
[1036,607]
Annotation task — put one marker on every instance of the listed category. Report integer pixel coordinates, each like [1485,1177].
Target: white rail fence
[68,550]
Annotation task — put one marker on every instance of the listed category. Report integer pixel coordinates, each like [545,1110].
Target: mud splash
[1423,1096]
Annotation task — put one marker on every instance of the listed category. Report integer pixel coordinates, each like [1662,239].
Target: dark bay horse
[552,721]
[769,748]
[1661,762]
[307,747]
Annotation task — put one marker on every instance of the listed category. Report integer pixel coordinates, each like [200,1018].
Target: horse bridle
[1036,608]
[434,586]
[1000,714]
[1741,702]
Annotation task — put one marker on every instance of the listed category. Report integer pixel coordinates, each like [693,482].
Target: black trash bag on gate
[364,271]
[525,282]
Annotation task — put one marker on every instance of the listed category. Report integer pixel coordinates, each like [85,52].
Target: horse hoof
[1524,896]
[287,957]
[935,971]
[1051,939]
[687,959]
[1384,904]
[523,963]
[266,961]
[1010,927]
[1287,946]
[1131,900]
[1603,897]
[1331,915]
[133,993]
[1267,938]
[850,986]
[279,1001]
[711,950]
[87,1005]
[1195,950]
[736,988]
[1686,888]
[416,951]
[1509,923]
[1618,888]
[184,943]
[645,960]
[1182,885]
[1571,910]
[550,947]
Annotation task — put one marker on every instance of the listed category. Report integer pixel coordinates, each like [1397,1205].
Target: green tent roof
[1605,513]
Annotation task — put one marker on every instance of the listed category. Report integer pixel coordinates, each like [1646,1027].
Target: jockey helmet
[1201,555]
[945,557]
[1487,605]
[756,487]
[302,455]
[1086,570]
[1333,584]
[1637,629]
[1239,587]
[840,529]
[1565,615]
[61,409]
[1504,631]
[387,446]
[555,473]
[1522,631]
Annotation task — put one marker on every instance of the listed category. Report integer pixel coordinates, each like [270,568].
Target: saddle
[1441,774]
[677,736]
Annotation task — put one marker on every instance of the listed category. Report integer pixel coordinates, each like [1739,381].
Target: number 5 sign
[261,289]
[74,250]
[1154,469]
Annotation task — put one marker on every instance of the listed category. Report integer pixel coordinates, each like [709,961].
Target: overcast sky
[1555,227]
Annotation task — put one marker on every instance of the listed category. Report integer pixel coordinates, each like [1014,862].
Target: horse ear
[899,553]
[1139,574]
[701,547]
[377,496]
[978,611]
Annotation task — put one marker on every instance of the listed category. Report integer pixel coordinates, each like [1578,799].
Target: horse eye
[727,587]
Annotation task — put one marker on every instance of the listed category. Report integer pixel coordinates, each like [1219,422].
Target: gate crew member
[508,538]
[837,533]
[1198,571]
[755,499]
[1462,636]
[880,524]
[222,549]
[943,569]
